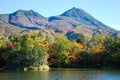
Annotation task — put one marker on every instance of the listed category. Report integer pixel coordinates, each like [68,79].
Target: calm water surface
[62,74]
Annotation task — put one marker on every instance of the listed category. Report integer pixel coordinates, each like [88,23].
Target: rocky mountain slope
[71,23]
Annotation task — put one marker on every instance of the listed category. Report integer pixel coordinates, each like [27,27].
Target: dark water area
[62,74]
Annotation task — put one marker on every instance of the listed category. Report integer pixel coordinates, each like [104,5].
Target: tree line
[35,49]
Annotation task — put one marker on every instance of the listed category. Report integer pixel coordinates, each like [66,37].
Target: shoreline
[72,69]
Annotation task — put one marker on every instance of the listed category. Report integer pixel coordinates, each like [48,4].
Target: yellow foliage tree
[1,41]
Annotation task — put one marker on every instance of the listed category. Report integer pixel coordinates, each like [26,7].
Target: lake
[62,74]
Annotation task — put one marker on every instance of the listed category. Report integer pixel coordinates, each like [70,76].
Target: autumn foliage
[34,49]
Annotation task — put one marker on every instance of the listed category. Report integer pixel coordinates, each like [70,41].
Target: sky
[106,11]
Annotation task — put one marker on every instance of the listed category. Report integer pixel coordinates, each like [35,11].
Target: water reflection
[62,74]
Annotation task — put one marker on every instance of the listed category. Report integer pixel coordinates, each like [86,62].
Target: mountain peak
[20,11]
[82,16]
[27,19]
[73,12]
[75,8]
[27,13]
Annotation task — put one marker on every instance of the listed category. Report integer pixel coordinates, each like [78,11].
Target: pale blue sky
[107,11]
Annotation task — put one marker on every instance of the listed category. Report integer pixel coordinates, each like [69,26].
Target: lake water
[62,74]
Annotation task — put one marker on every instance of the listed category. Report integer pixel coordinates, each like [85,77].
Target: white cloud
[117,27]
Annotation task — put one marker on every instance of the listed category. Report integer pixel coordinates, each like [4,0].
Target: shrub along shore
[38,51]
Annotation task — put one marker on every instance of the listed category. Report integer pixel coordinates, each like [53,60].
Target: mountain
[27,19]
[82,16]
[72,22]
[78,17]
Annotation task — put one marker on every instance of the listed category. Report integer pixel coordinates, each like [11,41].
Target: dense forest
[35,49]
